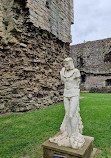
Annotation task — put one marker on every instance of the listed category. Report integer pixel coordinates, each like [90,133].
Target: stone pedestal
[50,150]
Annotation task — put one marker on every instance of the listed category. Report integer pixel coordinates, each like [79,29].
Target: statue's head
[68,64]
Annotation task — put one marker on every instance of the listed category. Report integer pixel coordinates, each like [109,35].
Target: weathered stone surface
[49,149]
[30,56]
[94,61]
[55,16]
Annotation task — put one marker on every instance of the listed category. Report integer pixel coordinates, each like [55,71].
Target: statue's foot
[62,139]
[77,141]
[64,142]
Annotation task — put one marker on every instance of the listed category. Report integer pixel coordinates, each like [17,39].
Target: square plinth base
[52,150]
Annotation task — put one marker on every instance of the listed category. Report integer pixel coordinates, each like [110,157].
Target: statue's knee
[71,116]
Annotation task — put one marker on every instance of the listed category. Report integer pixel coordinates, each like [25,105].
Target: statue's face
[67,65]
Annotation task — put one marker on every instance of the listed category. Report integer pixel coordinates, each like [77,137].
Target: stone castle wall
[97,82]
[30,60]
[94,61]
[55,16]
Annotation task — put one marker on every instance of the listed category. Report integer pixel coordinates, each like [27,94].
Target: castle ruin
[34,40]
[93,58]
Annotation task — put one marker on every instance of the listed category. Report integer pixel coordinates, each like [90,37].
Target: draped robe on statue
[71,128]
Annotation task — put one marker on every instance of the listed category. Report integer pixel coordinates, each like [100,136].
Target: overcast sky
[92,20]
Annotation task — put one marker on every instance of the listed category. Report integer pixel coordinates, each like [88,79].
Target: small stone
[2,106]
[23,45]
[13,41]
[30,96]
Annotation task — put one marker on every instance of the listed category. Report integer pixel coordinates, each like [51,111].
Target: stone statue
[71,128]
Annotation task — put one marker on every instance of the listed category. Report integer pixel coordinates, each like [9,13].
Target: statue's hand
[79,80]
[76,73]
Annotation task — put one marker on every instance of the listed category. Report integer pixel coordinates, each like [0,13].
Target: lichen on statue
[71,128]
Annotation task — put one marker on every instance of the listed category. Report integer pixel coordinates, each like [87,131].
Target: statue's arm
[77,75]
[61,74]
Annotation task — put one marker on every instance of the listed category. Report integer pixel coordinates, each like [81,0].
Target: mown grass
[22,134]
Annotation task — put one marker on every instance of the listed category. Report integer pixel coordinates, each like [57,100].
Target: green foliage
[96,116]
[23,134]
[84,41]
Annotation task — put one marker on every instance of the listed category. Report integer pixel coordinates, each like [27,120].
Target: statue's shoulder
[77,72]
[62,70]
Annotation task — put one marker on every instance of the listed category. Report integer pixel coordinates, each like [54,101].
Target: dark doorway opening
[83,78]
[80,62]
[108,82]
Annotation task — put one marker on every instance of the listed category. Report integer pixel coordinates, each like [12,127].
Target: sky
[92,20]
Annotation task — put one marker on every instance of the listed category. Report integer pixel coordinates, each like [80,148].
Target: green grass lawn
[22,134]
